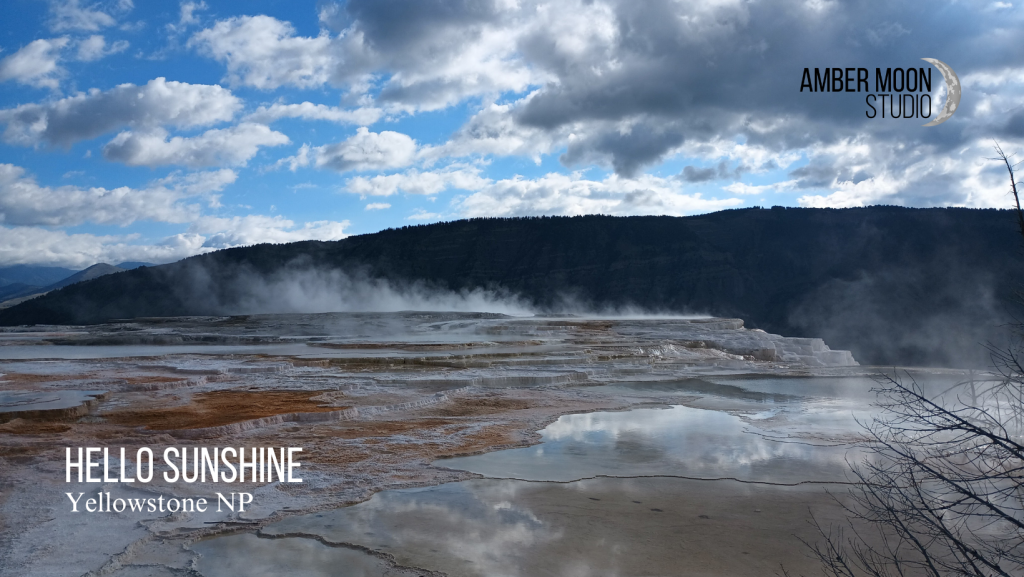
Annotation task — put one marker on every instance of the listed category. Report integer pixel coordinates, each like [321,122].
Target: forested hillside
[894,285]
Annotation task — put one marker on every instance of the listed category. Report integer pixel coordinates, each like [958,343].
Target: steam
[297,289]
[909,316]
[303,288]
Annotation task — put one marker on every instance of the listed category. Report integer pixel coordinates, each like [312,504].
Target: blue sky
[161,130]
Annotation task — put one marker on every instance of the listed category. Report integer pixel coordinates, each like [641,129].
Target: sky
[161,130]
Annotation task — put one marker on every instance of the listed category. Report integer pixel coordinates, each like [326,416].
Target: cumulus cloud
[25,202]
[378,206]
[752,189]
[71,15]
[35,64]
[187,16]
[433,56]
[41,246]
[95,47]
[309,111]
[573,195]
[626,85]
[622,84]
[550,194]
[416,182]
[216,147]
[367,150]
[420,214]
[618,84]
[494,130]
[865,171]
[722,171]
[88,115]
[672,75]
[245,230]
[263,52]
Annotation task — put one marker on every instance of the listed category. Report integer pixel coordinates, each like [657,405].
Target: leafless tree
[941,492]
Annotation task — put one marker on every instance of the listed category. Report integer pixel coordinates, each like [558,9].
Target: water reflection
[246,554]
[486,527]
[677,440]
[614,493]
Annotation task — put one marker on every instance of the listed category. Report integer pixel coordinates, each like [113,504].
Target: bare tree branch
[941,492]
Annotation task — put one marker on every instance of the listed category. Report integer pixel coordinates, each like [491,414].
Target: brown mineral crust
[21,455]
[365,400]
[482,406]
[363,429]
[339,455]
[216,408]
[485,439]
[29,427]
[459,427]
[22,379]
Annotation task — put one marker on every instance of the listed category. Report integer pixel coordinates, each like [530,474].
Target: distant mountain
[894,285]
[17,289]
[9,297]
[33,275]
[95,271]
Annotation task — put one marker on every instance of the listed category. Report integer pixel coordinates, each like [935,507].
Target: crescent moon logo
[952,91]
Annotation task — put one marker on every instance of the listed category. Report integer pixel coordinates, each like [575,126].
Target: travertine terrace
[374,400]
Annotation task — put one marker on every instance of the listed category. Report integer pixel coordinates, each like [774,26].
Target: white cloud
[367,150]
[41,246]
[71,15]
[866,171]
[300,160]
[616,83]
[88,115]
[572,195]
[187,15]
[95,47]
[421,214]
[24,202]
[310,111]
[416,182]
[254,229]
[35,64]
[430,65]
[199,183]
[494,130]
[750,189]
[882,189]
[264,52]
[377,206]
[232,146]
[486,65]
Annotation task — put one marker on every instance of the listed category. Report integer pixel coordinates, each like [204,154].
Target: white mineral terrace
[432,443]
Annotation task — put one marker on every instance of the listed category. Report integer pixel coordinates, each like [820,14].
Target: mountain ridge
[918,286]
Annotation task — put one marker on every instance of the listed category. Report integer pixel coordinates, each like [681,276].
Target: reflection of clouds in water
[482,524]
[246,554]
[483,527]
[826,419]
[700,439]
[649,422]
[819,387]
[678,441]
